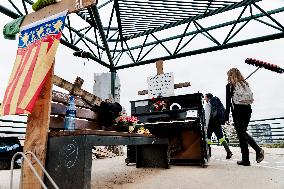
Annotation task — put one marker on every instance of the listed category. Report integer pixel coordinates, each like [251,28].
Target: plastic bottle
[70,116]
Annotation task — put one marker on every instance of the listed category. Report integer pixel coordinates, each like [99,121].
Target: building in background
[102,86]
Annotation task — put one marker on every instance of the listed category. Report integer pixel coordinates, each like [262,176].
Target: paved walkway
[220,174]
[274,157]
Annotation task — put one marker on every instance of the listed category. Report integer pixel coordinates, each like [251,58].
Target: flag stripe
[27,81]
[33,100]
[14,82]
[40,70]
[19,86]
[16,67]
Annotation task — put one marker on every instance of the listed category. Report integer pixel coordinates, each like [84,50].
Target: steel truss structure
[120,34]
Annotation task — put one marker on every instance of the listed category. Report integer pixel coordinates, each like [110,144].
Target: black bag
[108,112]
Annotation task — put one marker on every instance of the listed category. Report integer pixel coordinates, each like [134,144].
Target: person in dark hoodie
[215,117]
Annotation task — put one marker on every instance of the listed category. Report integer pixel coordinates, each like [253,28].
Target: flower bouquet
[126,123]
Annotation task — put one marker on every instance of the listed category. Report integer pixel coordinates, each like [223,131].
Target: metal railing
[264,131]
[24,156]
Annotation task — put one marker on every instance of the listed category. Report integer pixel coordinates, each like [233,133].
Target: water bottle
[70,115]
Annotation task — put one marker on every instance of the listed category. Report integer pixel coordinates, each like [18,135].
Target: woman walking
[238,99]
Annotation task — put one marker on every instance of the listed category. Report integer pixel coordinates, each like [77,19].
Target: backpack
[242,94]
[217,109]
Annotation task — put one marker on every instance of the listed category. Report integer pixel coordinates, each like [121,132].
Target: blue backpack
[217,109]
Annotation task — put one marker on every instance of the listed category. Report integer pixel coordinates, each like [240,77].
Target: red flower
[126,120]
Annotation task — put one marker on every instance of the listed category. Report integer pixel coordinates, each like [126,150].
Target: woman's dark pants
[241,117]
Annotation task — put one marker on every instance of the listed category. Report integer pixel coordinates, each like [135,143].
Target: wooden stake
[159,66]
[37,133]
[54,9]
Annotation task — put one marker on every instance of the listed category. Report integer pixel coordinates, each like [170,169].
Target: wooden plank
[60,109]
[91,99]
[64,98]
[181,85]
[159,66]
[54,9]
[36,134]
[58,123]
[97,132]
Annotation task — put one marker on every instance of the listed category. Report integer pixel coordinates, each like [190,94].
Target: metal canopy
[121,34]
[140,17]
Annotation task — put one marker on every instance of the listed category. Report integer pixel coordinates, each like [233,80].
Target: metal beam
[210,13]
[96,18]
[8,12]
[15,7]
[116,6]
[75,48]
[209,49]
[275,11]
[84,36]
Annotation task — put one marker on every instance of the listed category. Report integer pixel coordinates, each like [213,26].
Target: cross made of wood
[75,89]
[159,66]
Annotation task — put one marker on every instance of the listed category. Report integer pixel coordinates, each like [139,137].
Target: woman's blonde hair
[235,76]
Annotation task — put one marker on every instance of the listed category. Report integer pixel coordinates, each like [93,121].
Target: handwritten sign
[161,85]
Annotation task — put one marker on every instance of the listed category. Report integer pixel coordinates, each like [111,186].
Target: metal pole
[8,12]
[104,40]
[252,73]
[113,78]
[102,34]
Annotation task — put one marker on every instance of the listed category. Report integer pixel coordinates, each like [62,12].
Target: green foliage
[275,145]
[42,3]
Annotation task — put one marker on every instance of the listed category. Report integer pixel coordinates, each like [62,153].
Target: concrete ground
[220,174]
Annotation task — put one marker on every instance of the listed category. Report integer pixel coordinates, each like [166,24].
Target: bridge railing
[266,132]
[13,126]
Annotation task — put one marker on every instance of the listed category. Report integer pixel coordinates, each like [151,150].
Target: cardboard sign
[161,85]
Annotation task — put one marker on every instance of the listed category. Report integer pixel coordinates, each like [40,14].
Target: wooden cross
[75,89]
[159,66]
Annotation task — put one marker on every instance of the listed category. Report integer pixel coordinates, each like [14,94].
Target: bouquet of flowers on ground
[158,104]
[128,122]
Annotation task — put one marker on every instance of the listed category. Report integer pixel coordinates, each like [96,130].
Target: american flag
[37,47]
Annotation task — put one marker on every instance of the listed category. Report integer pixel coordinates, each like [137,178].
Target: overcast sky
[205,72]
